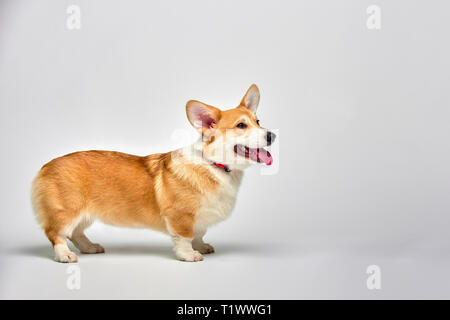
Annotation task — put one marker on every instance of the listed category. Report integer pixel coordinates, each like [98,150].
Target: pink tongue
[264,156]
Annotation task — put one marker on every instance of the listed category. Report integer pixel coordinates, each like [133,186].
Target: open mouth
[255,154]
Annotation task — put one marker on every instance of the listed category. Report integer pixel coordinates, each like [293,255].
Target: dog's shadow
[46,251]
[161,250]
[40,251]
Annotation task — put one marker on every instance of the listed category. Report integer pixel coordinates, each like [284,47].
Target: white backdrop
[363,157]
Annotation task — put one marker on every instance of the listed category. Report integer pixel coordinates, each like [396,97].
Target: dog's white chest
[218,206]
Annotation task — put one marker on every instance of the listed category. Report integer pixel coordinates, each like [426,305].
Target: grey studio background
[363,119]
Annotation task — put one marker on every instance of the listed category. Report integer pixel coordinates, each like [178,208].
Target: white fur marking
[63,254]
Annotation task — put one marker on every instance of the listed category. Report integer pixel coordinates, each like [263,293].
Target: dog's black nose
[270,137]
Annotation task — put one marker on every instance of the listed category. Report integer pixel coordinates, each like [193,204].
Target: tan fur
[119,189]
[164,192]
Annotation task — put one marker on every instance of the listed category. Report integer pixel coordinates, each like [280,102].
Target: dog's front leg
[201,246]
[182,233]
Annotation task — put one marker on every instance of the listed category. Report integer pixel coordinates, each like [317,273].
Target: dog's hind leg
[201,246]
[80,240]
[57,231]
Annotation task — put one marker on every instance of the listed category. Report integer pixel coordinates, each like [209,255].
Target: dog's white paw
[93,248]
[190,256]
[204,248]
[63,254]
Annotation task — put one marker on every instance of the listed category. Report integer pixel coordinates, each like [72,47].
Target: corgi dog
[181,193]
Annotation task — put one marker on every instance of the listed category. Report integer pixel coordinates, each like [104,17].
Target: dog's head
[232,137]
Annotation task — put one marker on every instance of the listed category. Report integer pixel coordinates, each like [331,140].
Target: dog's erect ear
[251,98]
[202,116]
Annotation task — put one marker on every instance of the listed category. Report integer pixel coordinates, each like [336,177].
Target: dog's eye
[241,125]
[257,122]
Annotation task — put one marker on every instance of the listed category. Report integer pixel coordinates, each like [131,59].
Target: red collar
[223,166]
